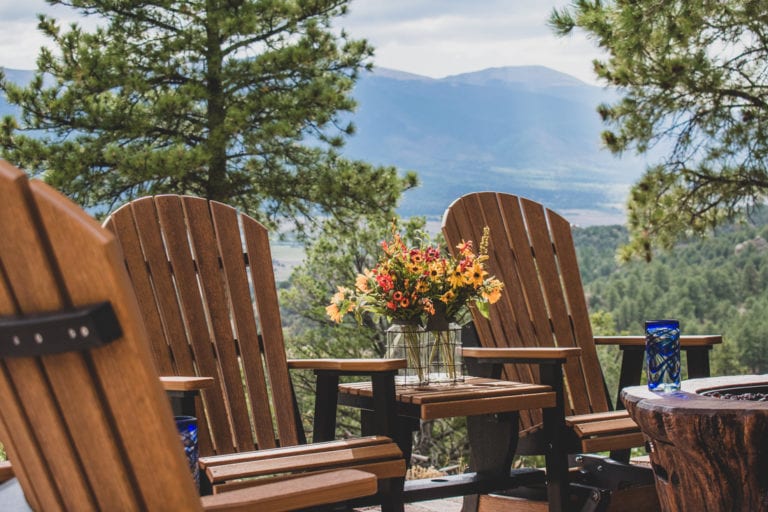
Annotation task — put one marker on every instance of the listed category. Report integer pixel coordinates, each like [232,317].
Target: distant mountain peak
[398,75]
[529,77]
[537,76]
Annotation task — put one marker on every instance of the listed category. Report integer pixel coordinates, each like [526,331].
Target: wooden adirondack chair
[204,280]
[83,416]
[543,305]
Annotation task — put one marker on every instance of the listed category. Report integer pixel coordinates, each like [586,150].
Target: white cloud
[428,37]
[438,38]
[20,39]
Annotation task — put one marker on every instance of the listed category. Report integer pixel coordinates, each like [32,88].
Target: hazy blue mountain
[528,130]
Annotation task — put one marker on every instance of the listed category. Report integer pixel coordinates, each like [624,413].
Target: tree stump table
[708,453]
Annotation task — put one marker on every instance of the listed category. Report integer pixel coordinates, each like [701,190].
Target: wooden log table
[491,407]
[707,453]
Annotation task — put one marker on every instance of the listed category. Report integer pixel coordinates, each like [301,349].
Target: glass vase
[445,362]
[409,341]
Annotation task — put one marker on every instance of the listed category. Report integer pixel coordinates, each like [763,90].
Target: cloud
[438,37]
[20,39]
[428,37]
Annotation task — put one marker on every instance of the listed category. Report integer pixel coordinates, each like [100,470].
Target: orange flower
[407,282]
[332,310]
[361,283]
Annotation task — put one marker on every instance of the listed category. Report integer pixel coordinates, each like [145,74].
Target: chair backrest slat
[209,293]
[267,305]
[574,294]
[531,251]
[88,430]
[237,313]
[222,283]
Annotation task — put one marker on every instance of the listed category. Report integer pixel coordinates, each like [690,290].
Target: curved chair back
[204,279]
[543,305]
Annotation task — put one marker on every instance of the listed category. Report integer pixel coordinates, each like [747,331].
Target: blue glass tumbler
[187,427]
[662,353]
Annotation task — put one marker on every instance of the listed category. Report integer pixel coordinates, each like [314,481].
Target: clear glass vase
[445,361]
[409,341]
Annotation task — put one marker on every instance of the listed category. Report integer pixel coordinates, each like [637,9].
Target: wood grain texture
[349,365]
[75,441]
[93,430]
[296,493]
[708,454]
[204,276]
[543,305]
[192,262]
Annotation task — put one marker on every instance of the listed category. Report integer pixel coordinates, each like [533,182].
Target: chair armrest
[186,383]
[688,340]
[488,362]
[184,394]
[350,366]
[532,355]
[296,493]
[327,373]
[6,471]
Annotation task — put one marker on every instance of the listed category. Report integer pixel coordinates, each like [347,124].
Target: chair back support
[531,250]
[89,429]
[205,284]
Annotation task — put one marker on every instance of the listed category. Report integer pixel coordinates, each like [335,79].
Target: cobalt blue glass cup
[662,354]
[187,427]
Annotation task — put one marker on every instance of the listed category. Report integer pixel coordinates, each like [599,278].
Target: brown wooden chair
[204,280]
[543,305]
[83,416]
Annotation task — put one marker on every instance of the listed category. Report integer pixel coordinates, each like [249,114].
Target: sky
[435,38]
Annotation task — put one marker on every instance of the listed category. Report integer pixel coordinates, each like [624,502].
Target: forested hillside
[716,285]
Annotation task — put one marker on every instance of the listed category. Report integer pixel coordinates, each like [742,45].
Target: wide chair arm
[489,362]
[184,392]
[327,372]
[696,347]
[296,493]
[689,341]
[348,366]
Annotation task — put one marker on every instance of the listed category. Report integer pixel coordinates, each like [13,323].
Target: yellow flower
[456,279]
[436,270]
[448,296]
[475,274]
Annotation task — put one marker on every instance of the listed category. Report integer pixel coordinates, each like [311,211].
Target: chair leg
[621,455]
[557,455]
[391,492]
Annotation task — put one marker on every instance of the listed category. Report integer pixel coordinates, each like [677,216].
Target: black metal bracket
[56,332]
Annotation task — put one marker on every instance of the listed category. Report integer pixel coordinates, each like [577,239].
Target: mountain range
[528,130]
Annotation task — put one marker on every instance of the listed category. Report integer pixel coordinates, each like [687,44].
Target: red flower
[385,282]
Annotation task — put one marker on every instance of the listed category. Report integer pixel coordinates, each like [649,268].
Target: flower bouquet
[415,287]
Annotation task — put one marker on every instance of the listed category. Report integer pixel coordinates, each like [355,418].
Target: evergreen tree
[241,101]
[693,80]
